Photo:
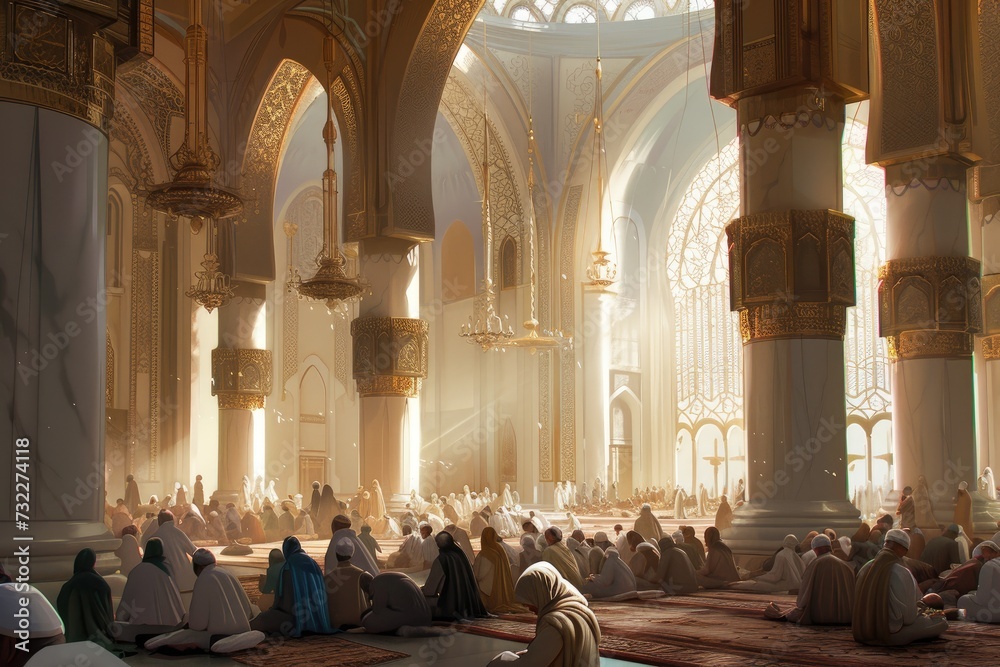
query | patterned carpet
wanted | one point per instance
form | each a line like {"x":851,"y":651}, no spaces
{"x":317,"y":651}
{"x":715,"y":628}
{"x":710,"y":628}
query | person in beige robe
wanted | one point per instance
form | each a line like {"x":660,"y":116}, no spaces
{"x":724,"y":515}
{"x":345,"y":588}
{"x":492,"y":571}
{"x":647,"y":525}
{"x":719,"y":569}
{"x":567,"y":633}
{"x":886,"y":610}
{"x":674,"y":572}
{"x":826,"y":595}
{"x":558,"y":556}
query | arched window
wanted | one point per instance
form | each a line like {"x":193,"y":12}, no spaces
{"x":581,"y":14}
{"x":523,"y":13}
{"x":113,"y":249}
{"x":508,"y":264}
{"x":458,"y":264}
{"x":306,"y":212}
{"x":640,"y":10}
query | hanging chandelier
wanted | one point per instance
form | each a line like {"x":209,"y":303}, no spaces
{"x":193,"y":192}
{"x":331,"y":284}
{"x":293,"y":280}
{"x":532,"y":341}
{"x":602,"y":271}
{"x":486,"y":328}
{"x":213,"y":288}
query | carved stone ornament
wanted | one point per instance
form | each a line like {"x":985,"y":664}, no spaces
{"x":63,"y":55}
{"x":792,"y":273}
{"x":241,"y":378}
{"x":390,"y":355}
{"x":930,"y":307}
{"x":991,"y":317}
{"x":763,"y":47}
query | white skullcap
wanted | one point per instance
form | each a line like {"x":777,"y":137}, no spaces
{"x":646,"y":506}
{"x":423,"y":524}
{"x":345,"y":547}
{"x":203,"y":557}
{"x":988,"y":544}
{"x":899,"y":537}
{"x":845,"y":544}
{"x":820,"y":541}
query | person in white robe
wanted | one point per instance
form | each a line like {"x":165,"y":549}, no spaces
{"x":983,"y":604}
{"x":573,"y":524}
{"x":408,"y":555}
{"x":177,"y":547}
{"x":567,"y":633}
{"x":784,"y":575}
{"x":964,"y":546}
{"x":128,"y":553}
{"x":900,"y":621}
{"x":362,"y":558}
{"x":615,"y":578}
{"x":220,"y":613}
{"x":75,"y":653}
{"x":436,"y":522}
{"x":44,"y":627}
{"x":271,"y":494}
{"x":506,"y":497}
{"x":151,"y":602}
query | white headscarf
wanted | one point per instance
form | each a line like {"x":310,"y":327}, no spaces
{"x":43,"y":620}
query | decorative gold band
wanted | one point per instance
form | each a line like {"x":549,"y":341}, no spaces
{"x":240,"y":401}
{"x":991,"y":348}
{"x":991,"y":304}
{"x":930,"y":307}
{"x":389,"y":385}
{"x":793,"y":320}
{"x":241,"y":378}
{"x":390,"y":355}
{"x":792,"y":273}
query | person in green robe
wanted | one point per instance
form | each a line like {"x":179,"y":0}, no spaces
{"x":84,"y":603}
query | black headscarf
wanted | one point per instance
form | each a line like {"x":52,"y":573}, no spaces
{"x":84,"y":603}
{"x":459,"y":598}
{"x":154,"y":554}
{"x":4,"y":577}
{"x":275,"y":563}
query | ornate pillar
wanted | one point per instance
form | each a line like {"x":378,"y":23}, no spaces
{"x":57,"y":74}
{"x":789,"y":73}
{"x":390,"y":360}
{"x":929,"y":292}
{"x":241,"y":379}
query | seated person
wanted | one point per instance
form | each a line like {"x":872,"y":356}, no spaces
{"x":300,"y":604}
{"x":692,"y":546}
{"x":826,"y":594}
{"x":397,"y":602}
{"x":557,"y":555}
{"x":345,"y":586}
{"x":645,"y":566}
{"x":785,"y":574}
{"x":719,"y":569}
{"x":983,"y":604}
{"x":566,"y":633}
{"x":615,"y":578}
{"x":675,"y":573}
{"x":493,"y":576}
{"x":220,"y":612}
{"x":44,"y":627}
{"x":408,"y":554}
{"x":451,"y":588}
{"x":886,"y":600}
{"x":151,"y":602}
{"x":84,"y":603}
{"x":269,"y":581}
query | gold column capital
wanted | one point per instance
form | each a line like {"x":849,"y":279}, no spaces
{"x":821,"y":46}
{"x":930,"y":307}
{"x":63,"y":55}
{"x":241,"y":378}
{"x":390,"y":355}
{"x":792,"y":273}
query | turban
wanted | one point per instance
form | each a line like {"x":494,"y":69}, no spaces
{"x":820,"y":541}
{"x":899,"y":537}
{"x":203,"y":557}
{"x":345,"y":547}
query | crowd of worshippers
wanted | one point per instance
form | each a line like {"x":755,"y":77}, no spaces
{"x":890,"y":585}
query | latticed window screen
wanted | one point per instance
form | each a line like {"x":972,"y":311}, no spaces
{"x":708,"y":349}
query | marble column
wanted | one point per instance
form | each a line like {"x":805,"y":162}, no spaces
{"x":241,"y":378}
{"x":791,"y":257}
{"x":930,"y":303}
{"x":390,"y":360}
{"x":53,"y":191}
{"x":985,"y":213}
